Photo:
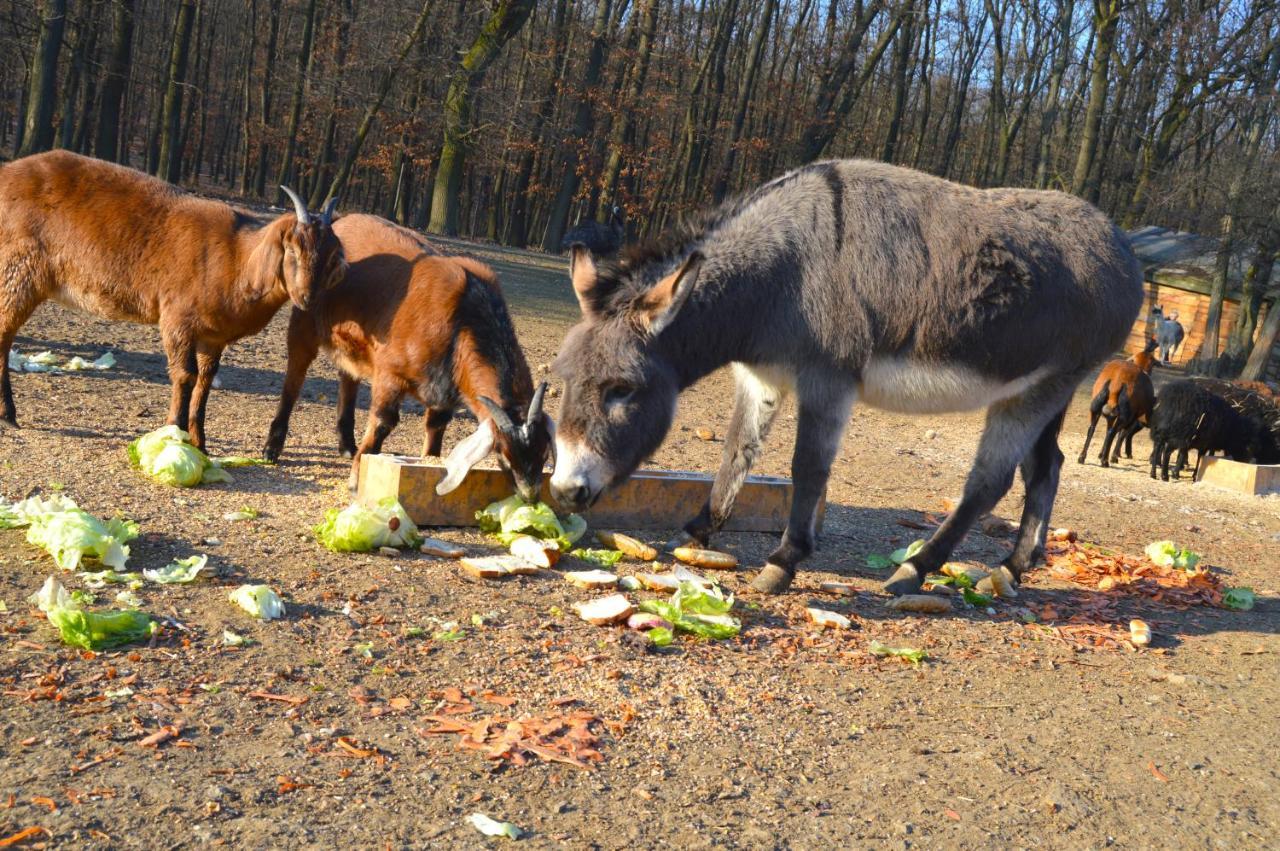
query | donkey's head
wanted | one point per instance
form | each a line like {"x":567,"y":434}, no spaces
{"x":312,"y":255}
{"x":620,"y":383}
{"x":522,"y":448}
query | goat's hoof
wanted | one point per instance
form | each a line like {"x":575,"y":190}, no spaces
{"x":905,"y":580}
{"x":772,"y":579}
{"x":348,"y":454}
{"x":270,"y":454}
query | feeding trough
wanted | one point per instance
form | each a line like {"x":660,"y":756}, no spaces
{"x":1252,"y":479}
{"x":650,"y":499}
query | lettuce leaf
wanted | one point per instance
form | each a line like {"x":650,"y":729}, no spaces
{"x":604,"y":558}
{"x":99,"y":630}
{"x":21,"y":513}
{"x":660,"y":636}
{"x":701,"y":610}
{"x":912,"y":655}
{"x":509,"y":518}
{"x":1169,"y":554}
{"x":52,"y":596}
{"x":180,"y":570}
{"x":72,"y":535}
{"x":259,"y":601}
{"x":359,"y":529}
{"x":1240,"y":598}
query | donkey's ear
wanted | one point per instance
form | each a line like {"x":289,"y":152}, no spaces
{"x":659,"y":306}
{"x":583,"y":273}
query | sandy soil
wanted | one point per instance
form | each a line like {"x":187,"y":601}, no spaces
{"x":1006,"y":736}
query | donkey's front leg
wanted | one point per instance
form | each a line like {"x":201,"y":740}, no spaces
{"x":819,"y":427}
{"x":755,"y":406}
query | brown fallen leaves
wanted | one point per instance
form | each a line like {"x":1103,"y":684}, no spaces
{"x":23,"y":835}
{"x":568,"y":738}
{"x":1124,"y":574}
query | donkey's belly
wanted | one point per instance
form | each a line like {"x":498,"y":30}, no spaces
{"x":894,"y":384}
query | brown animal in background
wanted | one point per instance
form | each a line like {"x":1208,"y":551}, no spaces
{"x":117,"y":243}
{"x":1124,"y":395}
{"x":415,"y":323}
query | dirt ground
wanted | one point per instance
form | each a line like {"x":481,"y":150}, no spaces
{"x":1009,"y":735}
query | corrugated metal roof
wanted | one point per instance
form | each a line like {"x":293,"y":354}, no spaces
{"x":1187,"y":260}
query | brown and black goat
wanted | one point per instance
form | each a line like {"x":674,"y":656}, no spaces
{"x":415,"y":323}
{"x":1124,"y":395}
{"x":116,"y":243}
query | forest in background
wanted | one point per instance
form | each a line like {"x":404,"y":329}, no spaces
{"x":512,"y":120}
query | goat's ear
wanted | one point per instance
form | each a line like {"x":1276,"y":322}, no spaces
{"x":660,"y":305}
{"x":583,"y":273}
{"x":466,"y":455}
{"x":265,"y":269}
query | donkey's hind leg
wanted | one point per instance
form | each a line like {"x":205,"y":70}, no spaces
{"x":1013,"y":427}
{"x":755,"y":406}
{"x":1040,"y":471}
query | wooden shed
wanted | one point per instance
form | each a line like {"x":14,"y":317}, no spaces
{"x":1178,"y":269}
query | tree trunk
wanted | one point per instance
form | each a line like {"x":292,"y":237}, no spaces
{"x":246,"y":115}
{"x":837,"y":93}
{"x":721,"y":186}
{"x":503,"y":24}
{"x":38,"y":123}
{"x":170,"y":141}
{"x":518,"y":226}
{"x":583,"y":121}
{"x":107,"y":142}
{"x":366,"y":123}
{"x":1106,"y":16}
{"x":299,"y":90}
{"x":1049,"y":117}
{"x":623,"y":131}
{"x":264,"y":98}
{"x":328,"y":137}
{"x":1255,"y":368}
{"x":901,"y":62}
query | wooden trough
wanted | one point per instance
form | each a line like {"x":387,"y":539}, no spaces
{"x":650,"y":499}
{"x":1252,"y":479}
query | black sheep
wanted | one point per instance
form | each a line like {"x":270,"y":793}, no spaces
{"x":1188,"y":416}
{"x":600,"y":239}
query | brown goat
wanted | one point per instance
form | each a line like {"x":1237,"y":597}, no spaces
{"x":1124,"y":395}
{"x":111,"y":241}
{"x":415,"y":323}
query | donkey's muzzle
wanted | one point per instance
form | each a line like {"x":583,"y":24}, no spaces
{"x":574,"y":496}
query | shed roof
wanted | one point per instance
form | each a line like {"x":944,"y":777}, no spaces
{"x":1186,"y":260}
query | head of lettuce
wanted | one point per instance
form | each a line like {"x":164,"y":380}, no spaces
{"x":508,"y":519}
{"x":167,"y":456}
{"x":359,"y":528}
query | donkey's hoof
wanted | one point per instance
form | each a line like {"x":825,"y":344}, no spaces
{"x":905,"y":580}
{"x":772,"y":580}
{"x":1011,"y":575}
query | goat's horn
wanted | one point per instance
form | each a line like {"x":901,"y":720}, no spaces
{"x":535,"y":406}
{"x":326,"y":215}
{"x":304,"y":218}
{"x":500,"y":417}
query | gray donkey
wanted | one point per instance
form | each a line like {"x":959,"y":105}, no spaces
{"x":839,"y":281}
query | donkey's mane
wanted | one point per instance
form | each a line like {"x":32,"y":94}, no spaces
{"x":617,"y":282}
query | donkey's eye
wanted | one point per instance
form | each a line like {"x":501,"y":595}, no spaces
{"x":618,"y":394}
